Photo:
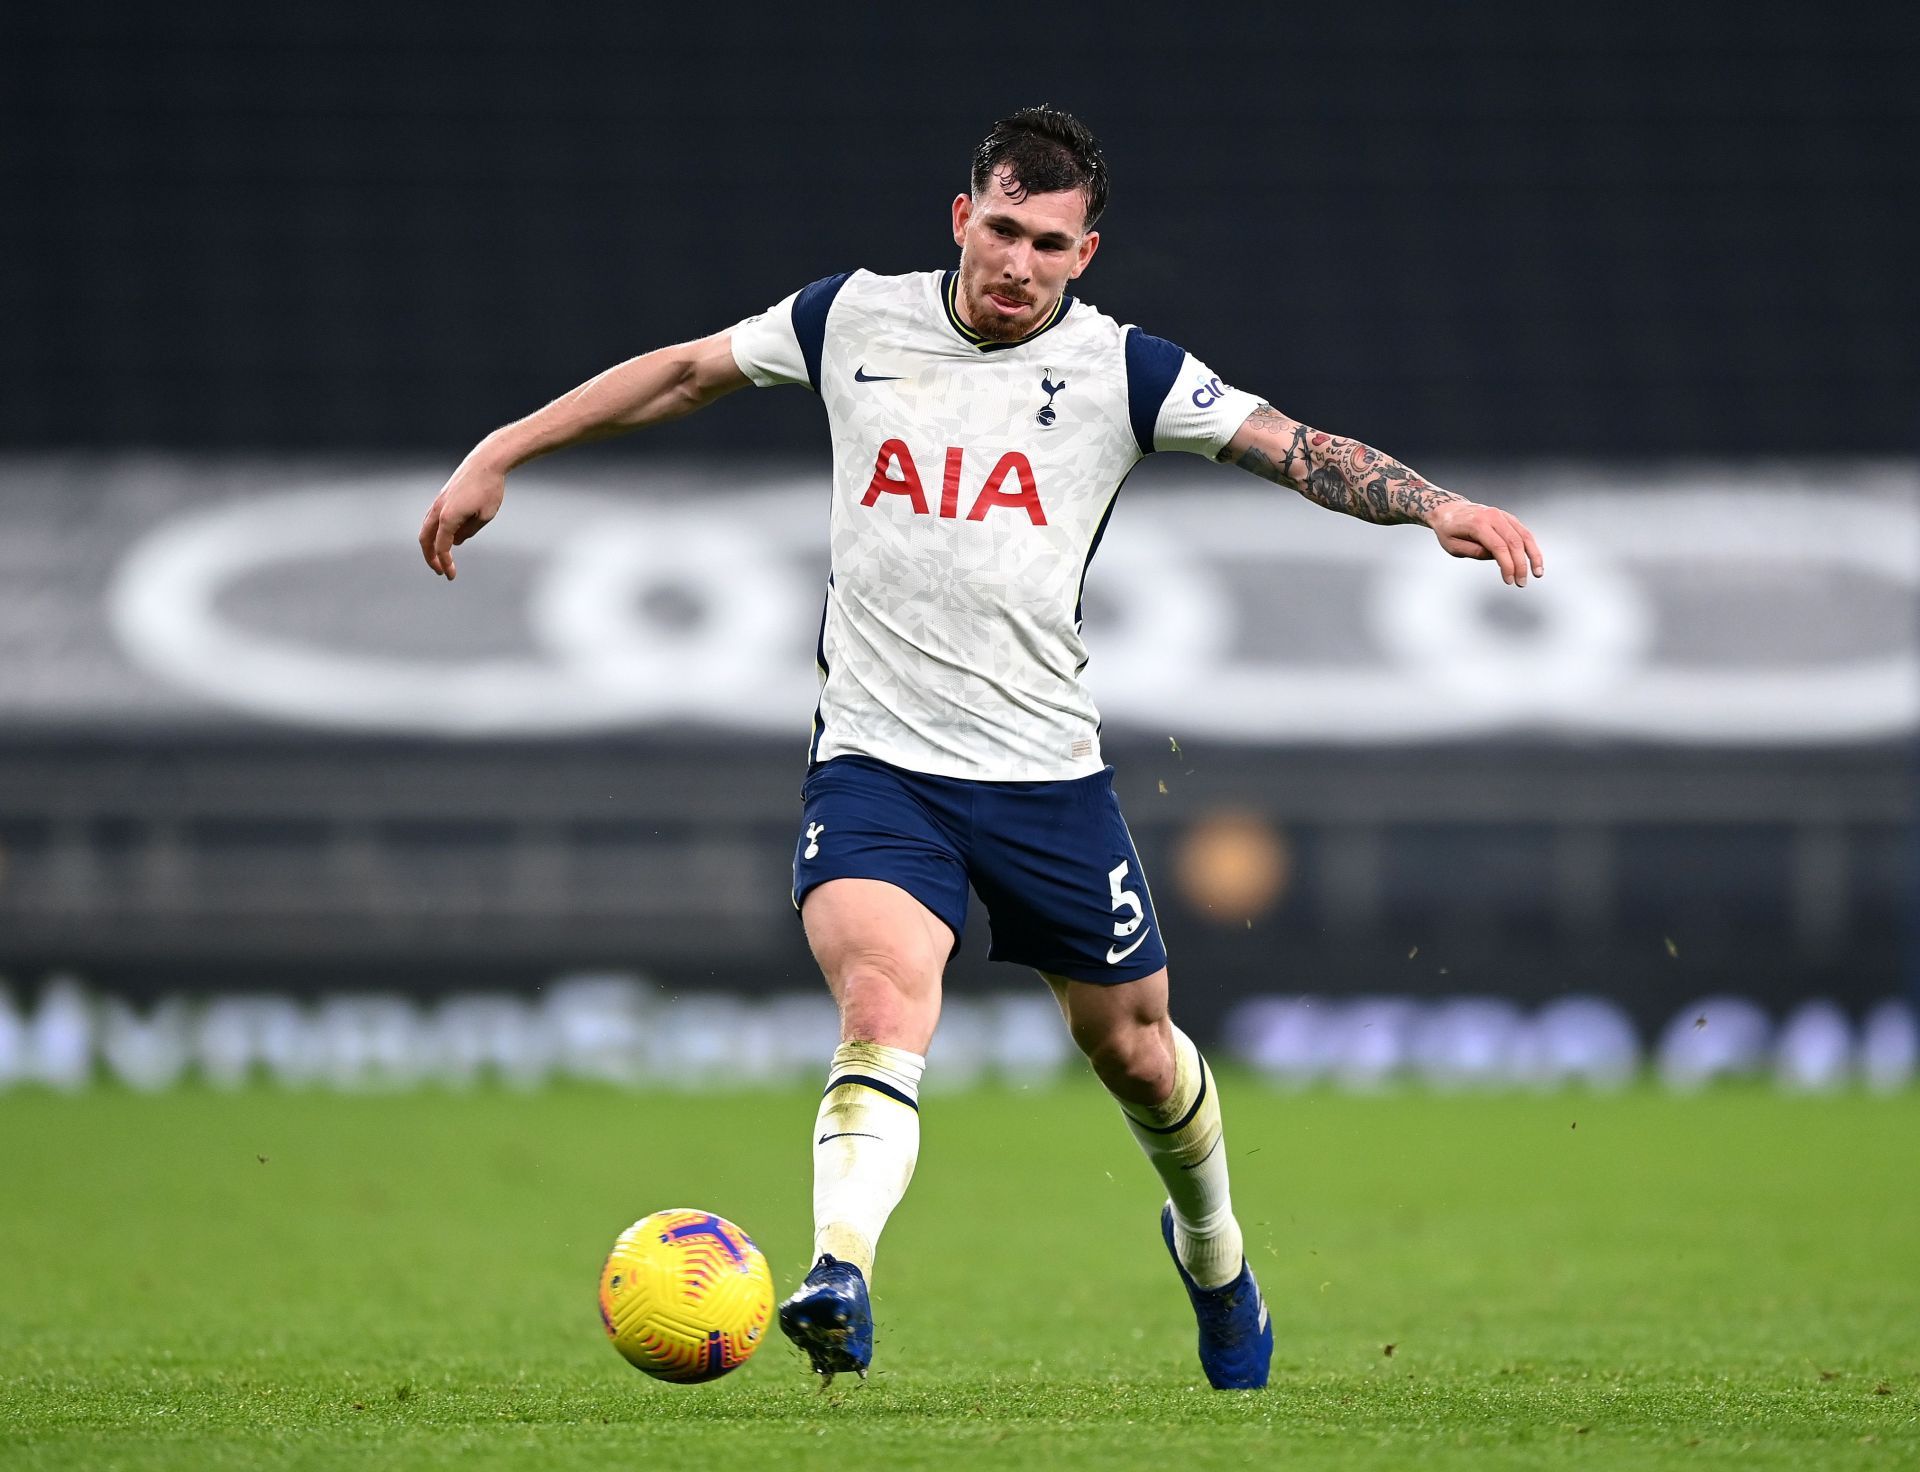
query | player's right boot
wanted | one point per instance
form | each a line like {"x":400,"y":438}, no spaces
{"x":829,"y":1317}
{"x":1236,"y":1334}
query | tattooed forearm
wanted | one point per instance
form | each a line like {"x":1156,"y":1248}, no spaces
{"x":1341,"y":474}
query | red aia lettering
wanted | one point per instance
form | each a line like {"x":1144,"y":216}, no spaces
{"x":906,"y":483}
{"x":1011,"y":463}
{"x":950,"y":489}
{"x":895,"y":474}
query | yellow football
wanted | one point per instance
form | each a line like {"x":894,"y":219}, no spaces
{"x":685,"y":1295}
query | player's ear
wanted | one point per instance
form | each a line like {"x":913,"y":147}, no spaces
{"x":1089,"y":243}
{"x":962,"y":212}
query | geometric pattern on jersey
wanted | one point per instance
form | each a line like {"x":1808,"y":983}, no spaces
{"x":1052,"y":862}
{"x":972,"y":481}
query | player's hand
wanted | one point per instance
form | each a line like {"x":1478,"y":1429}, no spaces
{"x":469,"y":500}
{"x":1468,"y":529}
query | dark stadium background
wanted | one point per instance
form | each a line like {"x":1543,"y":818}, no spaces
{"x":241,"y":246}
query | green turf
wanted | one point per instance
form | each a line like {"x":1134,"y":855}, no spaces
{"x":195,"y":1280}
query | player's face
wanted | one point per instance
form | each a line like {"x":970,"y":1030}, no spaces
{"x":1017,"y":253}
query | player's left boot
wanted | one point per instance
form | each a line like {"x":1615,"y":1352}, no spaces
{"x":1236,"y":1335}
{"x":829,"y":1317}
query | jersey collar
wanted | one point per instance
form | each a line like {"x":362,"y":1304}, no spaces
{"x":949,"y":294}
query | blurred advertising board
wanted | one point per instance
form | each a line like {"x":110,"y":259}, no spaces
{"x":248,"y":744}
{"x":1762,"y":605}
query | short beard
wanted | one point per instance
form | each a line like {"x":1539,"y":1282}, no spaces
{"x":987,"y":322}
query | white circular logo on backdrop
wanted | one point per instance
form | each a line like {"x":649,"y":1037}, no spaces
{"x":1453,"y":650}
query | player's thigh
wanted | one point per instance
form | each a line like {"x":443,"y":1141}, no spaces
{"x":864,"y":923}
{"x":880,"y":881}
{"x":862,"y":819}
{"x":883,"y":954}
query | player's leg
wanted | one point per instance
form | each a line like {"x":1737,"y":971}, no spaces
{"x":1171,"y":1104}
{"x":881,"y":887}
{"x":1063,"y":886}
{"x":1066,"y":894}
{"x":882,"y":953}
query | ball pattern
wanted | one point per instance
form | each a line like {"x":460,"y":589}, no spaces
{"x":685,"y":1295}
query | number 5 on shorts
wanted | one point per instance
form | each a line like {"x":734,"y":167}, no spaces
{"x":1124,"y":899}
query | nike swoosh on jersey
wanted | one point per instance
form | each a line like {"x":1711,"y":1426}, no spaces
{"x":860,"y":375}
{"x":1115,"y":955}
{"x":846,"y":1134}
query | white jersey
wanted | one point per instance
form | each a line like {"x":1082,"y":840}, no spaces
{"x":971,"y":483}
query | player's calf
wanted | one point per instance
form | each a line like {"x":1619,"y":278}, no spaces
{"x":1184,"y":1139}
{"x":866,"y":1138}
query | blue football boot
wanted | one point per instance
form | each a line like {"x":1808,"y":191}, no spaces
{"x":1236,"y":1336}
{"x":828,"y":1316}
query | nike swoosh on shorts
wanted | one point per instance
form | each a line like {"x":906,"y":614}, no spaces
{"x":1115,"y":955}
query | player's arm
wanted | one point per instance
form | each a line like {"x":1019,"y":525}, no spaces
{"x":651,"y":389}
{"x":1345,"y":475}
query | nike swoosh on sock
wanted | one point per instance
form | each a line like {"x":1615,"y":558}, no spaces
{"x":848,"y":1134}
{"x":1205,"y":1158}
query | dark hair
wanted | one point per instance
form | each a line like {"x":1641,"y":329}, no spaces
{"x":1043,"y":150}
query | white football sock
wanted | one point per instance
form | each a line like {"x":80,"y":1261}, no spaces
{"x":865,"y":1141}
{"x":1183,"y":1138}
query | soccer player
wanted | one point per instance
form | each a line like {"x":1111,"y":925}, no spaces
{"x":983,"y":419}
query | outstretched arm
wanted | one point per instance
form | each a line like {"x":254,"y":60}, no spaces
{"x":651,"y":389}
{"x":1345,"y":475}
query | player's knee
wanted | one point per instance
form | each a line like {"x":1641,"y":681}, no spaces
{"x":876,"y":975}
{"x":882,"y":1001}
{"x":1134,"y":1063}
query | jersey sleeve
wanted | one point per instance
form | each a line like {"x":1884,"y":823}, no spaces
{"x":783,"y":344}
{"x":1176,"y":402}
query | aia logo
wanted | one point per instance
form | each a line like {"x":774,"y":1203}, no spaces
{"x":895,"y":474}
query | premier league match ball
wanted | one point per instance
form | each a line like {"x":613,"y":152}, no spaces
{"x":685,"y":1296}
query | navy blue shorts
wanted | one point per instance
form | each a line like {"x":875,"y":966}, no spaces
{"x":1052,"y":861}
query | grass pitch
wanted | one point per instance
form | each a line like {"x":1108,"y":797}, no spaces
{"x":210,"y":1281}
